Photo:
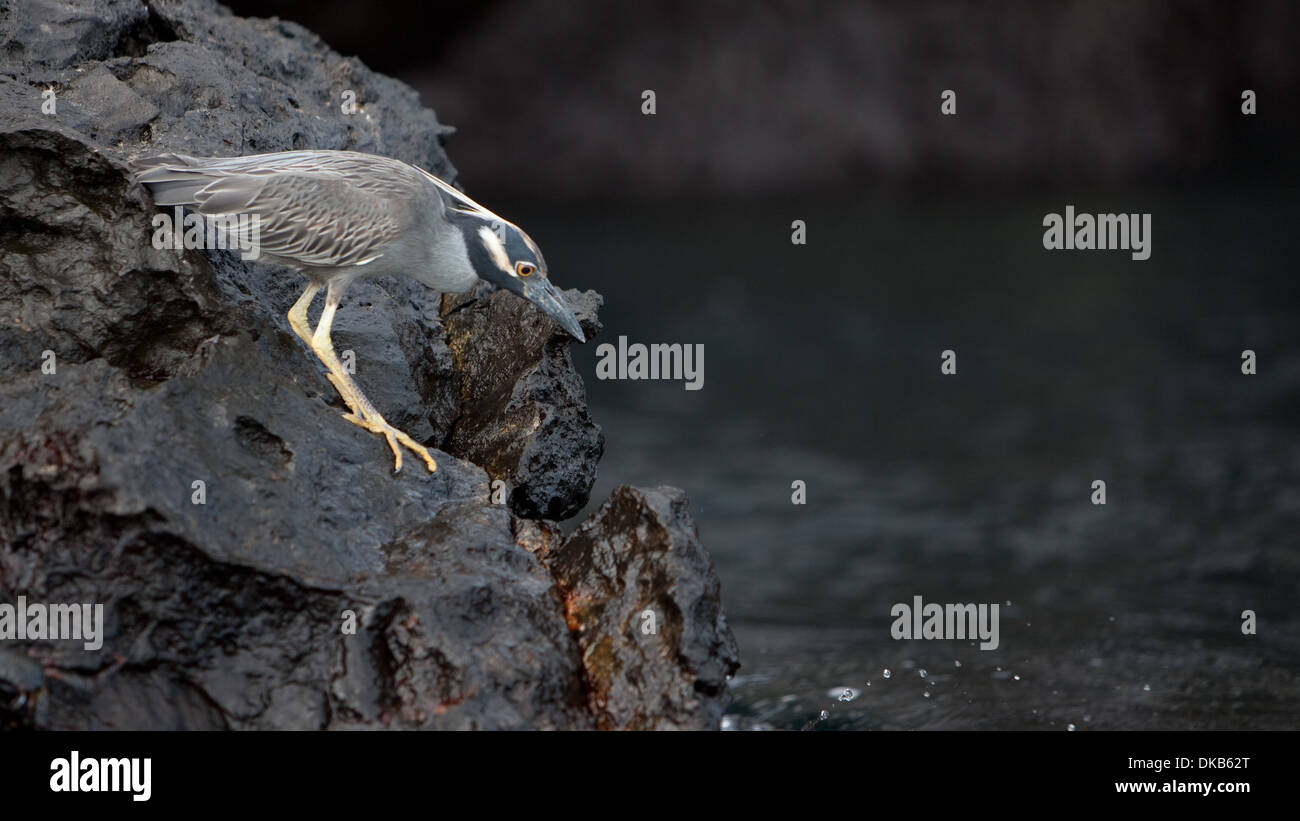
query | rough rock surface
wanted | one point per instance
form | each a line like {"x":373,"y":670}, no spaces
{"x":175,"y":378}
{"x":523,"y":406}
{"x":641,"y":594}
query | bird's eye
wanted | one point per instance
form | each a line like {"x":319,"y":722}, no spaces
{"x":524,"y":269}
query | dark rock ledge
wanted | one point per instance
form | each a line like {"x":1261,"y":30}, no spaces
{"x":177,"y":368}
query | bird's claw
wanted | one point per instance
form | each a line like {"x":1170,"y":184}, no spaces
{"x":394,"y":436}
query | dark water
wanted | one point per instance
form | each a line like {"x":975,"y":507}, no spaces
{"x":822,"y":365}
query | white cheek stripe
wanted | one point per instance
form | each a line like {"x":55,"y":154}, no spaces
{"x":496,"y":249}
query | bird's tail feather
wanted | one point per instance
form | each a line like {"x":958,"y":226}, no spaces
{"x":173,"y":179}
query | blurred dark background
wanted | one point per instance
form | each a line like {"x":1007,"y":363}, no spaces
{"x":777,"y":96}
{"x":925,"y":234}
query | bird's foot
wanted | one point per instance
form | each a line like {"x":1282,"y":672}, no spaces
{"x":377,"y":424}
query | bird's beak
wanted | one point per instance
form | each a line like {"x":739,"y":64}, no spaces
{"x":541,"y":293}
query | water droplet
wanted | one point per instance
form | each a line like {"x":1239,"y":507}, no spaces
{"x":926,"y":694}
{"x":887,"y":673}
{"x":958,"y":663}
{"x":923,"y":673}
{"x":1008,"y":602}
{"x":847,"y":694}
{"x":1146,"y":688}
{"x":1017,"y":678}
{"x":825,"y":715}
{"x":1070,"y":728}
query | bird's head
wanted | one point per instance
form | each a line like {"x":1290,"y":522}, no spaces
{"x":502,"y":254}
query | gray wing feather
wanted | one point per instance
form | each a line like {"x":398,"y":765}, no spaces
{"x":313,"y":219}
{"x":322,"y":208}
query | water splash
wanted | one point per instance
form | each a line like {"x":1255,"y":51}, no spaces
{"x":842,"y":695}
{"x":822,"y":716}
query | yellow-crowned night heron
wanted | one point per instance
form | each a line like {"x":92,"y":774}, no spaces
{"x":338,"y":215}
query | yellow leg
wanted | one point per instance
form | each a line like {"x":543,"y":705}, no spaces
{"x":363,"y":413}
{"x":298,"y":313}
{"x":301,"y":327}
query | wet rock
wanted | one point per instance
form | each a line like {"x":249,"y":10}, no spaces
{"x":643,"y":597}
{"x":168,"y":448}
{"x":523,"y":407}
{"x":21,"y":680}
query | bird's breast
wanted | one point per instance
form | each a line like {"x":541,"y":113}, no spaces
{"x":438,"y":261}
